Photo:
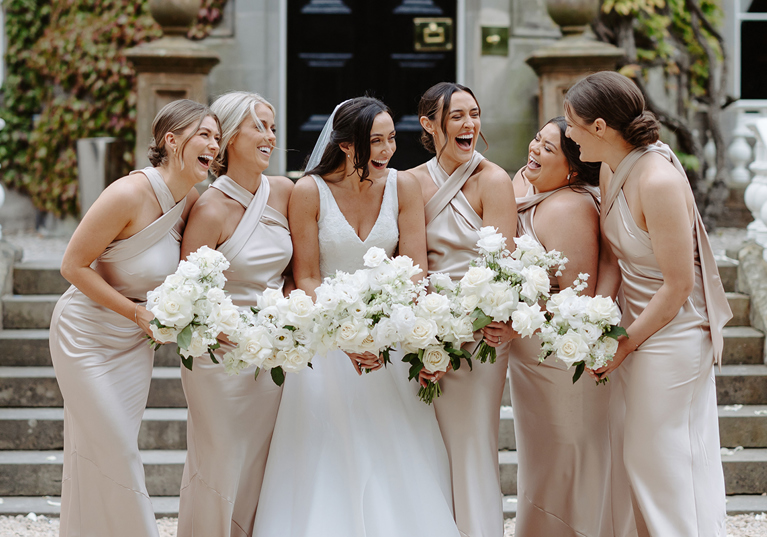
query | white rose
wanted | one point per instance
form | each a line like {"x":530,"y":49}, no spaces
{"x":225,"y":318}
{"x":571,"y":348}
{"x":300,"y":311}
{"x":603,"y":309}
{"x":173,"y":310}
{"x":351,"y":334}
{"x":609,"y":346}
{"x":476,"y":279}
{"x":199,"y":343}
{"x":502,"y":300}
{"x":434,"y":305}
{"x":463,"y":331}
{"x":215,"y":295}
{"x":486,"y":231}
{"x":385,"y":333}
{"x":527,"y":243}
{"x":283,"y":338}
{"x":274,"y":359}
{"x":270,"y":297}
{"x":552,"y":306}
{"x":492,"y":244}
{"x":403,"y":318}
{"x":381,"y":277}
{"x":527,"y":319}
{"x":511,"y":265}
{"x":256,"y":345}
{"x":327,"y":298}
{"x":296,"y":359}
{"x":189,"y":270}
{"x":590,"y":332}
{"x":423,"y":333}
{"x":435,"y":359}
{"x":469,"y":303}
{"x":166,"y":334}
{"x":374,"y":257}
{"x":404,"y":267}
{"x":536,"y":283}
{"x":573,"y":310}
{"x":269,"y":315}
{"x":441,"y":281}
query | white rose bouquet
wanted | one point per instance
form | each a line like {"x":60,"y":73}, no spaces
{"x":276,"y":336}
{"x":432,"y":332}
{"x":581,"y":330}
{"x":355,"y":309}
{"x":191,"y":308}
{"x":500,"y":285}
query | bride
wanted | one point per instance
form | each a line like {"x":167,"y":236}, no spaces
{"x":354,"y":455}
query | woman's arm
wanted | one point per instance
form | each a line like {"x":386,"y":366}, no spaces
{"x":303,"y":213}
{"x":205,"y":224}
{"x":663,"y":196}
{"x":412,"y":223}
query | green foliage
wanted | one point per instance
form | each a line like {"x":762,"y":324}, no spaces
{"x":68,"y":78}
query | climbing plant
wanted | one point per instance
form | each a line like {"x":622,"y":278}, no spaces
{"x":681,"y":39}
{"x":67,"y":79}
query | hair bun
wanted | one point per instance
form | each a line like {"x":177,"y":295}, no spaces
{"x":642,"y":130}
{"x":157,"y":155}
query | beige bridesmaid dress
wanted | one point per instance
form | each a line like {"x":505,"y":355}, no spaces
{"x":468,"y":409}
{"x":663,"y":420}
{"x":104,"y":366}
{"x":561,"y":429}
{"x":231,"y":418}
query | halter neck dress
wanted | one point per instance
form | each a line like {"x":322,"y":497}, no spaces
{"x":468,"y":410}
{"x":354,"y":456}
{"x":104,"y":367}
{"x":560,"y":428}
{"x":663,"y":407}
{"x":231,"y":418}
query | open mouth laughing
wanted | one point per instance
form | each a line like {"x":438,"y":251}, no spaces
{"x":464,"y":141}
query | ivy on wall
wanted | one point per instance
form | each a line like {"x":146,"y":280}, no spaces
{"x":68,"y":78}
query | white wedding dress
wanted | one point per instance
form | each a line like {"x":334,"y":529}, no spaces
{"x":355,"y":456}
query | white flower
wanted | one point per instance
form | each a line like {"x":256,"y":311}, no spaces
{"x":469,"y":303}
{"x":527,"y":243}
{"x":385,"y":333}
{"x":500,"y":301}
{"x":527,"y":319}
{"x":224,"y":318}
{"x":300,"y":309}
{"x":296,"y":359}
{"x":405,"y":267}
{"x":486,"y":231}
{"x":463,"y":331}
{"x":435,"y":358}
{"x":374,"y":257}
{"x":189,"y":270}
{"x":351,"y":334}
{"x":441,"y":281}
{"x":422,"y":334}
{"x":256,"y":345}
{"x":270,"y":297}
{"x":603,"y":309}
{"x":283,"y":338}
{"x":571,"y":348}
{"x":590,"y":332}
{"x":476,"y":279}
{"x":511,"y":265}
{"x":199,"y":343}
{"x":173,"y":310}
{"x":166,"y":334}
{"x":491,"y":244}
{"x":403,"y":318}
{"x":536,"y":283}
{"x":434,"y":305}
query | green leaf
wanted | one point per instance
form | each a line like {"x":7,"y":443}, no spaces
{"x":212,"y":356}
{"x":278,"y":375}
{"x":184,"y":338}
{"x":188,"y":362}
{"x":616,"y":331}
{"x":580,"y":367}
{"x":258,"y":370}
{"x":415,"y":369}
{"x":480,"y":319}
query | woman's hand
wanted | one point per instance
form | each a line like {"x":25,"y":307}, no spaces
{"x":143,"y":317}
{"x":424,"y":377}
{"x":497,"y":333}
{"x":367,"y":360}
{"x":625,"y":347}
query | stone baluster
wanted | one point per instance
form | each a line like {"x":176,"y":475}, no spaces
{"x":756,"y":193}
{"x":740,"y":150}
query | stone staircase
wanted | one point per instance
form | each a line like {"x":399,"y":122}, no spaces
{"x":31,"y":413}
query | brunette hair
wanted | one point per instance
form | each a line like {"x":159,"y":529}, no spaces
{"x":616,"y":99}
{"x":351,"y":124}
{"x":175,"y":117}
{"x":437,"y":98}
{"x":232,"y":109}
{"x":585,"y":173}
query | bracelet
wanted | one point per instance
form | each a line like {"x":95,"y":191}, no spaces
{"x":135,"y":314}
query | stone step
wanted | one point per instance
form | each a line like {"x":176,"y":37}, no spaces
{"x":37,"y":387}
{"x":739,"y":425}
{"x":740,"y":305}
{"x":742,"y":345}
{"x":38,"y":473}
{"x":29,"y":347}
{"x":28,"y":311}
{"x":745,"y":471}
{"x":164,"y":506}
{"x":42,"y":429}
{"x":728,"y":272}
{"x":38,"y":278}
{"x":741,"y":384}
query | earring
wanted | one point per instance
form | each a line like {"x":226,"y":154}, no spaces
{"x":568,"y":176}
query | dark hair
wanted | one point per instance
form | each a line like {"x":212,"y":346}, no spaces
{"x":438,"y":98}
{"x":175,"y":117}
{"x":351,"y":124}
{"x":616,"y":99}
{"x":585,"y":173}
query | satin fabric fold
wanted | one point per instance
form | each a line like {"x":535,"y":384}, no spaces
{"x":663,"y":417}
{"x":468,"y":411}
{"x":561,"y":431}
{"x":231,"y":418}
{"x":104,"y":367}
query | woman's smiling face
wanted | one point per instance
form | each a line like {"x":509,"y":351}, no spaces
{"x":547,"y":167}
{"x":455,"y":145}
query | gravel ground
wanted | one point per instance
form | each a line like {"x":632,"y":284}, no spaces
{"x":41,"y":526}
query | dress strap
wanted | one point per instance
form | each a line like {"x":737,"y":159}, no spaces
{"x":449,"y":192}
{"x":619,"y":178}
{"x":254,"y":210}
{"x":234,"y":190}
{"x":161,"y":190}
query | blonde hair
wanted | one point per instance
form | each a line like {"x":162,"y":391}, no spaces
{"x":232,"y":109}
{"x":175,"y":117}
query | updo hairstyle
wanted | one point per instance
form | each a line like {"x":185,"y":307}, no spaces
{"x":352,"y":124}
{"x":616,"y":99}
{"x":175,"y":117}
{"x":584,"y":173}
{"x":437,"y":98}
{"x":232,"y":109}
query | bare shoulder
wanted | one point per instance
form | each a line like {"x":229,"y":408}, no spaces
{"x":306,"y":192}
{"x":210,"y":208}
{"x":570,"y":202}
{"x":489,"y":172}
{"x":129,"y":192}
{"x":281,"y":183}
{"x":406,"y":181}
{"x":655,"y":172}
{"x":419,"y":173}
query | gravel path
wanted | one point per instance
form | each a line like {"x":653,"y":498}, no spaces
{"x":41,"y":526}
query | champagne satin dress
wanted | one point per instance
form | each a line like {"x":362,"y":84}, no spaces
{"x":468,"y":409}
{"x":664,"y":421}
{"x":562,"y":435}
{"x":231,"y":418}
{"x":104,"y":366}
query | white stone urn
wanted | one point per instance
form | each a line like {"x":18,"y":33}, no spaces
{"x":175,"y":16}
{"x":573,"y":16}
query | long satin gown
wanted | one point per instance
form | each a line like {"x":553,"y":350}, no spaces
{"x":354,"y":456}
{"x":231,"y":418}
{"x":663,"y":421}
{"x":468,"y":410}
{"x":104,"y":367}
{"x":562,"y":434}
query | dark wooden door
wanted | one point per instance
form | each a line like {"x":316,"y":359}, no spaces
{"x":338,"y":49}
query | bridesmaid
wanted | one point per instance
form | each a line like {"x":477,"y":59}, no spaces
{"x":125,"y":246}
{"x":663,"y":405}
{"x":462,"y":192}
{"x":560,"y":428}
{"x":231,"y":418}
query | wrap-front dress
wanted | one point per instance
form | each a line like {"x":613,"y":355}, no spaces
{"x":468,"y":411}
{"x":104,"y":367}
{"x":561,"y":431}
{"x":231,"y":418}
{"x":664,"y":425}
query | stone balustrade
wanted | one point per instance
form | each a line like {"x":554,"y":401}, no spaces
{"x":756,"y":193}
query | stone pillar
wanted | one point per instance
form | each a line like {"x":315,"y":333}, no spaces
{"x":571,"y":58}
{"x":169,"y":69}
{"x":756,"y":192}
